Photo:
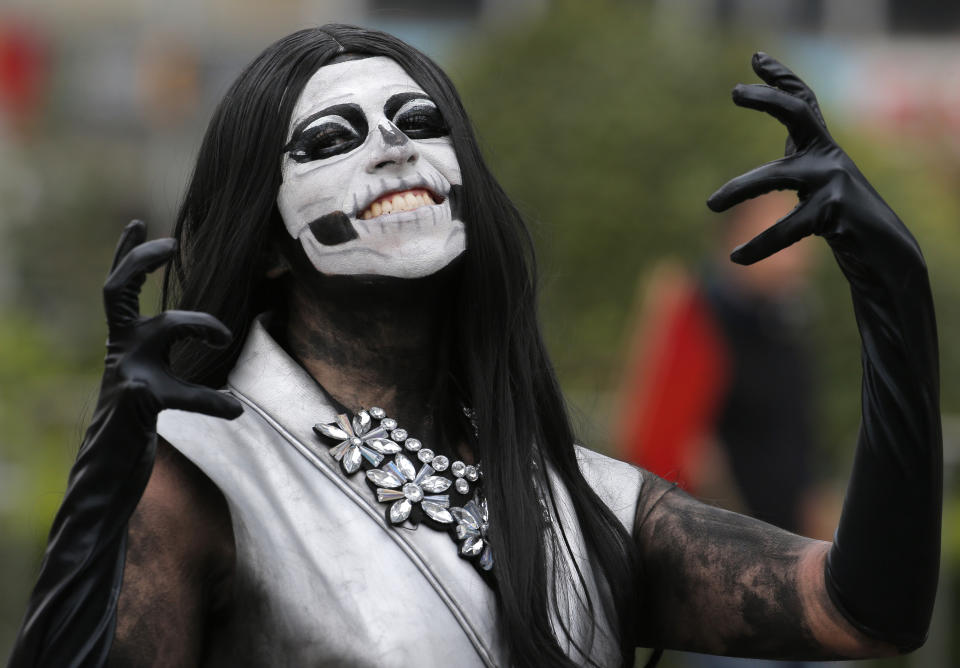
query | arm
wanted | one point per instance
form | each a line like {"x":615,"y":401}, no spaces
{"x":71,"y":614}
{"x":179,"y":567}
{"x":723,"y":583}
{"x":872,"y":590}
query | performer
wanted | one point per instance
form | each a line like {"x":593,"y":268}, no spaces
{"x":388,"y":475}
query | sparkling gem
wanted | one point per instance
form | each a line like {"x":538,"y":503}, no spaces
{"x":361,"y":423}
{"x":440,"y":499}
{"x":400,"y":511}
{"x":388,"y":423}
{"x":377,"y":412}
{"x":399,"y":435}
{"x":425,"y":455}
{"x":371,"y":456}
{"x":466,"y":518}
{"x":412,"y":444}
{"x":440,"y":462}
{"x":351,"y":461}
{"x":405,"y":466}
{"x":345,"y":424}
{"x":383,"y":478}
{"x":436,"y":483}
{"x":471,"y":473}
{"x":376,"y":432}
{"x":384,"y":446}
{"x":395,"y":470}
{"x":462,"y":486}
{"x":475,"y":511}
{"x":331,"y":431}
{"x":437,"y":512}
{"x":425,"y":473}
{"x":486,"y":559}
{"x":355,"y":441}
{"x":458,"y":468}
{"x":461,"y":532}
{"x":413,"y":492}
{"x":384,"y":495}
{"x":339,"y":449}
{"x":471,"y":546}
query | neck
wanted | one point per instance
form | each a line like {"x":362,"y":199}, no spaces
{"x":373,"y":341}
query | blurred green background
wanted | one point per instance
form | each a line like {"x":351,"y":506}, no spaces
{"x":609,"y":123}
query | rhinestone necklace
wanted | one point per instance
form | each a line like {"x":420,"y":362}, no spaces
{"x":385,"y":451}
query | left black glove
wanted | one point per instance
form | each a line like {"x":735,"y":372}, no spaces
{"x":882,"y":568}
{"x":71,"y":615}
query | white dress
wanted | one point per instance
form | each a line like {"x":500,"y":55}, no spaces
{"x":321,"y":578}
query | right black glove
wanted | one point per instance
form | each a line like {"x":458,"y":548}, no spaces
{"x":882,"y":569}
{"x":71,"y":614}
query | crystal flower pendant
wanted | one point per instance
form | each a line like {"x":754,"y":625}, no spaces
{"x":423,"y":494}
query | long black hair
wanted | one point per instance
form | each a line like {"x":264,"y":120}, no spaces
{"x":497,"y":359}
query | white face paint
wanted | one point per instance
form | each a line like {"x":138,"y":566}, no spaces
{"x":367,"y":174}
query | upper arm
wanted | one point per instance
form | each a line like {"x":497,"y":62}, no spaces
{"x":718,"y":582}
{"x":178,"y":565}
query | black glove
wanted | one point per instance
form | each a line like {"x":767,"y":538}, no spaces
{"x":882,"y":569}
{"x":71,"y":615}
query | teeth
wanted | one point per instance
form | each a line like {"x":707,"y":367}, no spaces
{"x":408,"y":201}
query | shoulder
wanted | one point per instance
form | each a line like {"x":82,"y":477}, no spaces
{"x":617,"y":483}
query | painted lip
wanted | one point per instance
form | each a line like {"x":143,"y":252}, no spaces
{"x":402,"y":185}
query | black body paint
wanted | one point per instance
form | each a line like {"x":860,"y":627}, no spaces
{"x":333,"y":229}
{"x":719,"y":582}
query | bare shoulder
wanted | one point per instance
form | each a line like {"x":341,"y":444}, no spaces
{"x":179,"y":565}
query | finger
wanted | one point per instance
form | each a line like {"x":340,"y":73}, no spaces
{"x":138,"y":262}
{"x":199,"y":399}
{"x":790,"y":229}
{"x":794,"y":113}
{"x":122,"y":290}
{"x":776,"y":74}
{"x":177,"y":325}
{"x":133,"y":235}
{"x":783,"y":174}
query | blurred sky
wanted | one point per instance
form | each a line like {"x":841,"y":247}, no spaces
{"x":146,"y":73}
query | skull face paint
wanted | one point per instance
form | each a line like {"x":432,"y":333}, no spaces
{"x":368,"y":172}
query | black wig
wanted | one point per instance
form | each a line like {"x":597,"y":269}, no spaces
{"x":498,"y":362}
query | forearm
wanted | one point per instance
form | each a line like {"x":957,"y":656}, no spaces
{"x":71,"y":613}
{"x":718,"y":582}
{"x":881,"y":572}
{"x":882,"y":569}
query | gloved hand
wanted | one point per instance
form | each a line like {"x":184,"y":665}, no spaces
{"x":71,"y":615}
{"x":882,"y":568}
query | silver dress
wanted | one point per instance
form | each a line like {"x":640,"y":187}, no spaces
{"x":321,"y":578}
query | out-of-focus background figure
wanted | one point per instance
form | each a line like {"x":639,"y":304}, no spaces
{"x":608,"y":122}
{"x":722,"y":393}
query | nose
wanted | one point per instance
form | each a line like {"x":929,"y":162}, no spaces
{"x":391,"y":149}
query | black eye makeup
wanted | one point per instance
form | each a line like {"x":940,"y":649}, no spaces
{"x":326,"y":133}
{"x":416,"y":115}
